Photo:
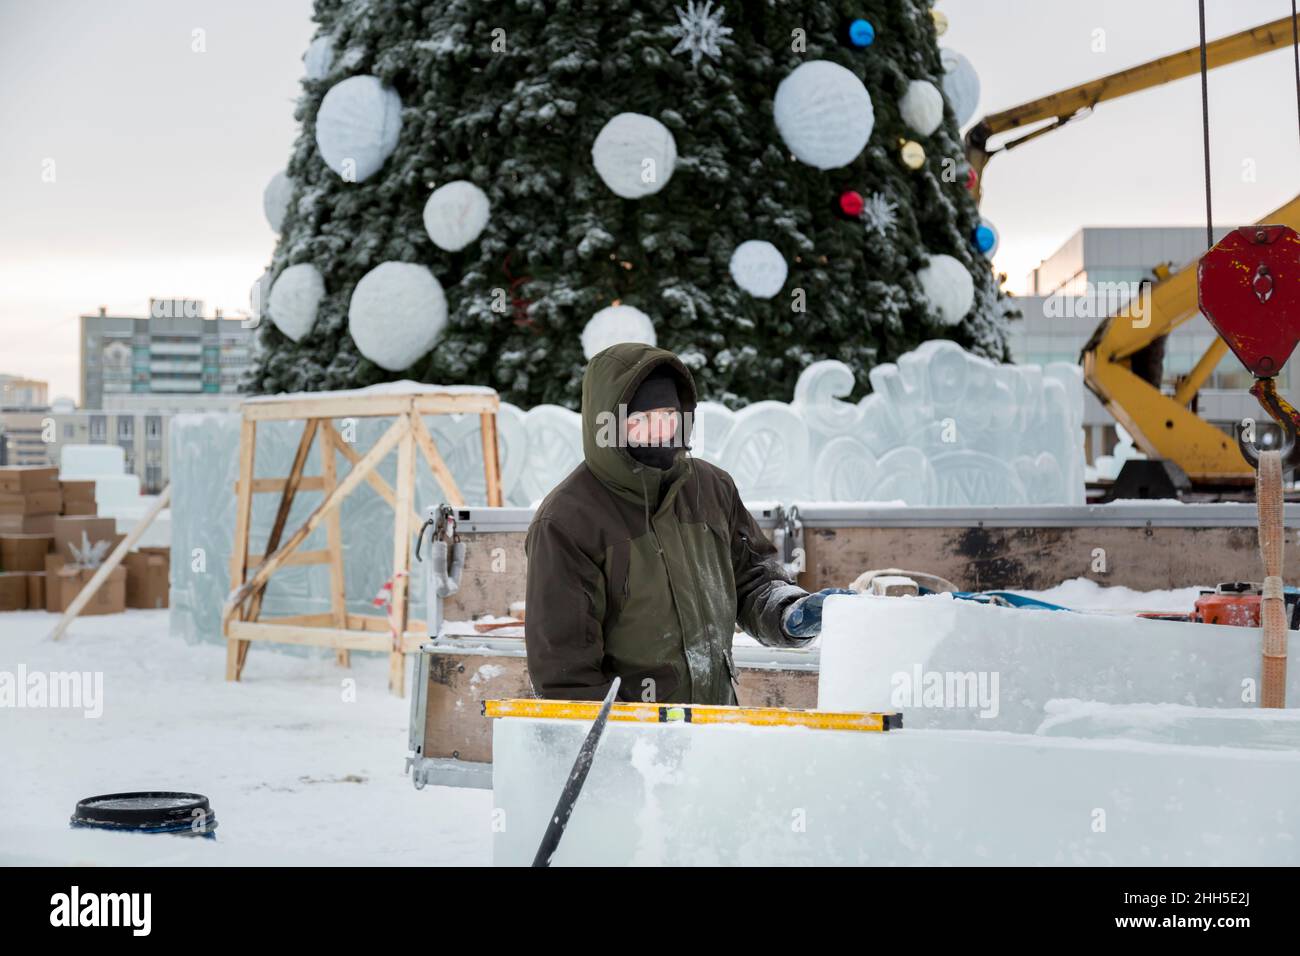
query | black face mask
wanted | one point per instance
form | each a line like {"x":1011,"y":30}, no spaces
{"x":654,"y":456}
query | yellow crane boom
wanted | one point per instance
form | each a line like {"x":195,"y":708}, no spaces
{"x":1066,"y":105}
{"x":1162,"y":426}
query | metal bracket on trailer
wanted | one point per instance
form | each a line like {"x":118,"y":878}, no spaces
{"x":446,"y":772}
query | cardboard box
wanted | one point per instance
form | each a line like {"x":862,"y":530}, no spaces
{"x":31,"y":502}
{"x":147,"y":573}
{"x":67,"y":583}
{"x":13,"y":591}
{"x":36,"y":590}
{"x":20,"y":478}
{"x":78,"y":490}
{"x":24,"y":552}
{"x":67,"y":530}
{"x":27,"y":524}
{"x":80,"y":507}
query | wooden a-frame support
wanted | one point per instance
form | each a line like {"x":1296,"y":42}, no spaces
{"x":249,"y":573}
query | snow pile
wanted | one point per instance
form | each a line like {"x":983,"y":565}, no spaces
{"x":324,"y":784}
{"x":1083,"y":594}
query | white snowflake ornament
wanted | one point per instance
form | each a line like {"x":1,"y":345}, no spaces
{"x":699,"y":31}
{"x":879,"y":215}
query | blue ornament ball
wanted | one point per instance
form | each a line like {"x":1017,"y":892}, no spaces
{"x":985,"y":238}
{"x":861,"y":32}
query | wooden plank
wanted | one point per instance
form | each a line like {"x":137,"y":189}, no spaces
{"x":101,"y":575}
{"x":261,"y":485}
{"x":445,"y":404}
{"x":371,"y":406}
{"x":367,"y":622}
{"x":310,"y":636}
{"x":392,"y":437}
{"x":281,"y":518}
{"x":321,"y":556}
{"x":371,"y":622}
{"x":243,"y":517}
{"x":402,"y":550}
{"x":375,"y":480}
{"x":291,"y":486}
{"x":325,"y":619}
{"x":441,"y":473}
{"x":334,"y":544}
{"x":491,"y":458}
{"x":329,"y":406}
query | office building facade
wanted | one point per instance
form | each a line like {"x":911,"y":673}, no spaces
{"x":174,"y":350}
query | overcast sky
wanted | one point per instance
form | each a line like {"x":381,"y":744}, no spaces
{"x":160,"y":153}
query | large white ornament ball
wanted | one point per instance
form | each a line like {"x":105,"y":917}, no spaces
{"x":948,"y":288}
{"x":275,"y":199}
{"x":824,"y":114}
{"x":922,"y":107}
{"x":455,"y":215}
{"x":634,"y":155}
{"x":397,"y":312}
{"x":319,"y":58}
{"x":258,"y":294}
{"x":758,"y":267}
{"x":357,"y":126}
{"x":295,"y":298}
{"x":961,"y":84}
{"x":615,"y":324}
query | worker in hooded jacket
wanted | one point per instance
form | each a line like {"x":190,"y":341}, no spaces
{"x":643,"y":559}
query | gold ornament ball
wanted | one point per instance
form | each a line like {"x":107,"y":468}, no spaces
{"x":913,"y":154}
{"x":940,"y":22}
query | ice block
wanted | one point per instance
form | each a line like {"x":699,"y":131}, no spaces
{"x":955,"y":664}
{"x":684,"y":794}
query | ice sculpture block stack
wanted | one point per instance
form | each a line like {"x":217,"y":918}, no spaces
{"x":1029,"y":738}
{"x":956,"y":664}
{"x":693,"y":794}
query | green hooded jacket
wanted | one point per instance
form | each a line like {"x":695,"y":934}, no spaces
{"x":643,"y":573}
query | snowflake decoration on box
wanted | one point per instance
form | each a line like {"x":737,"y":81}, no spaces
{"x":88,"y":555}
{"x":879,"y":215}
{"x":699,"y":31}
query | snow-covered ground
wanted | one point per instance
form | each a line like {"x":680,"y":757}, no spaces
{"x":298,"y":770}
{"x":302,"y":760}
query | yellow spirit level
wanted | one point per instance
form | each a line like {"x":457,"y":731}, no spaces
{"x":652,"y":713}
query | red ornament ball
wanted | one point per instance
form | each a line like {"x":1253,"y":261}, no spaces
{"x":851,"y":203}
{"x":972,"y":178}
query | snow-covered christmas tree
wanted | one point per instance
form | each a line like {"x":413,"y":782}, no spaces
{"x":489,"y":192}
